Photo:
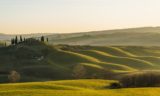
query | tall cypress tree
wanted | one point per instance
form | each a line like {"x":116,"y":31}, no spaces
{"x":16,"y":40}
{"x":42,"y":39}
{"x":47,"y":39}
{"x":12,"y":41}
{"x":21,"y":40}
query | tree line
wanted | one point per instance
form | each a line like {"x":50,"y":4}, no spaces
{"x":21,"y":39}
{"x":15,"y":40}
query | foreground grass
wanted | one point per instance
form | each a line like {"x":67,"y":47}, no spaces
{"x":72,"y":88}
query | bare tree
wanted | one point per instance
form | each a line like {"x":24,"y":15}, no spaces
{"x":14,"y":76}
{"x":79,"y":71}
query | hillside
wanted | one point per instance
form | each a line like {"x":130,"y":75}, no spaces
{"x":37,"y":61}
{"x":146,"y":36}
{"x":72,"y":88}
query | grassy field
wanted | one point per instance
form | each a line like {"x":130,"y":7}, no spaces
{"x":72,"y":88}
{"x":37,"y":61}
{"x":41,"y":62}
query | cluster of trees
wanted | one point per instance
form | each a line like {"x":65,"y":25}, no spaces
{"x":43,"y":39}
{"x":17,"y":40}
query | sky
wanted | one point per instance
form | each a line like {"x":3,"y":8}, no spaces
{"x":66,"y":16}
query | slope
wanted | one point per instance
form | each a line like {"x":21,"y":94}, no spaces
{"x":38,"y":61}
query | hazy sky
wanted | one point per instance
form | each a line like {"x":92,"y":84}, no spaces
{"x":36,"y":16}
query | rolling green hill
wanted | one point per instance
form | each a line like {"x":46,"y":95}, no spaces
{"x":146,"y":36}
{"x":37,"y":61}
{"x":72,"y":88}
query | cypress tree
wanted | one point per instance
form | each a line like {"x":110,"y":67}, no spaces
{"x":12,"y":41}
{"x":42,"y":39}
{"x":16,"y":40}
{"x":47,"y":39}
{"x":21,"y":40}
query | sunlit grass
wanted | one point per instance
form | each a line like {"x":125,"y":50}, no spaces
{"x":73,"y":88}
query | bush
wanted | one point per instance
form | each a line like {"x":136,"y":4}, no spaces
{"x":141,"y":79}
{"x":115,"y":85}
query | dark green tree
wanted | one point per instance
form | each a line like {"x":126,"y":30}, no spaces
{"x":12,"y":41}
{"x":42,"y":39}
{"x":47,"y":39}
{"x":16,"y":40}
{"x":21,"y":39}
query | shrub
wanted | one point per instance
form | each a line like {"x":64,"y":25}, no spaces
{"x":115,"y":85}
{"x":141,"y":79}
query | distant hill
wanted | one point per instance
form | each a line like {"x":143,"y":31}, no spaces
{"x":146,"y":36}
{"x":36,"y":61}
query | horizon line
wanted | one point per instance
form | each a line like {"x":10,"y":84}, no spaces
{"x":112,"y":29}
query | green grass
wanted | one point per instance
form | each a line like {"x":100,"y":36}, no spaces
{"x":2,"y":44}
{"x":72,"y":88}
{"x":61,"y":59}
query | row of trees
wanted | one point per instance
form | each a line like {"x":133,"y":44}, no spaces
{"x":43,"y":39}
{"x":17,"y":40}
